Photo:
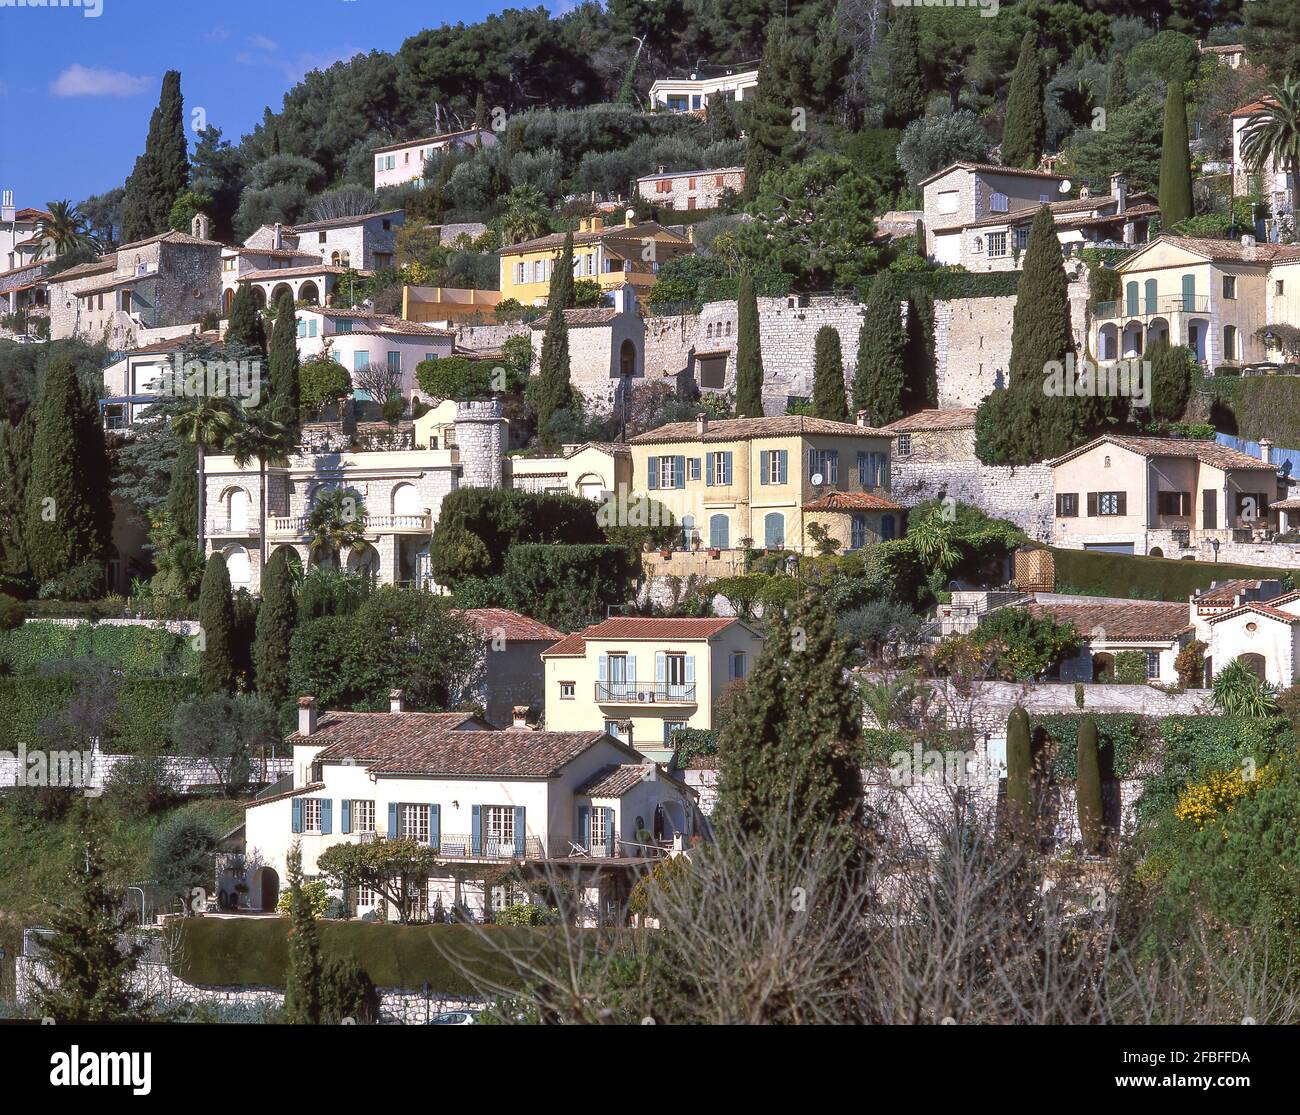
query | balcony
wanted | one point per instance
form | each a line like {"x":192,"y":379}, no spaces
{"x":224,"y":528}
{"x":644,"y":693}
{"x":295,"y":526}
{"x":462,"y":846}
{"x":1168,"y":304}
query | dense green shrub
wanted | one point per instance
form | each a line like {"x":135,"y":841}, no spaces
{"x":136,"y":651}
{"x":568,"y":586}
{"x":1147,"y":578}
{"x":693,"y":743}
{"x":1123,"y":739}
{"x":11,"y":614}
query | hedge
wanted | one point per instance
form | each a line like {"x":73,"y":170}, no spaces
{"x":943,"y":285}
{"x":568,"y":586}
{"x":1122,"y":741}
{"x":137,"y":651}
{"x":1257,"y":406}
{"x":1146,"y":578}
{"x":255,"y":952}
{"x":140,"y":723}
{"x":691,"y":743}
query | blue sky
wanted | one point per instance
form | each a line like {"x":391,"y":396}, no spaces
{"x":76,"y":92}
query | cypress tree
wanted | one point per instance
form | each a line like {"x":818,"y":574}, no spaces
{"x":162,"y":171}
{"x":183,"y":490}
{"x":1025,"y":129}
{"x":879,"y":379}
{"x":217,"y":663}
{"x":1175,"y":162}
{"x":749,"y":353}
{"x":560,"y":293}
{"x":245,"y":326}
{"x":15,"y":471}
{"x":920,"y":388}
{"x":276,"y":619}
{"x":905,"y":89}
{"x":283,"y":363}
{"x":554,"y":391}
{"x":1019,"y":774}
{"x":1116,"y":86}
{"x":1088,"y":786}
{"x":828,"y":377}
{"x":69,"y":509}
{"x":302,"y":990}
{"x":1171,"y":379}
{"x":480,"y":113}
{"x":790,"y":748}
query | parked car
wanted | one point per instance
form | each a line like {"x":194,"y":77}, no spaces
{"x":454,"y":1018}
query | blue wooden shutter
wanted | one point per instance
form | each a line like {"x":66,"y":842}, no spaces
{"x":784,"y":462}
{"x":1189,"y":293}
{"x":476,"y":831}
{"x":296,"y":825}
{"x":679,"y":473}
{"x":326,"y":815}
{"x":435,"y":826}
{"x":584,"y":826}
{"x":345,"y":816}
{"x":762,"y":466}
{"x":652,"y":469}
{"x":726,"y":467}
{"x":833,"y":466}
{"x":708,"y":470}
{"x":519,"y":831}
{"x":609,"y":831}
{"x":862,"y":468}
{"x":392,"y":820}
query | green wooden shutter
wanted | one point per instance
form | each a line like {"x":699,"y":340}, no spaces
{"x":784,"y":465}
{"x":610,"y":841}
{"x":679,"y":472}
{"x":584,"y":827}
{"x":726,"y":467}
{"x":435,"y":826}
{"x":708,"y":470}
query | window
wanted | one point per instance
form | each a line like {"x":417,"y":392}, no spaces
{"x":719,"y":532}
{"x":671,"y":726}
{"x":499,"y":828}
{"x":1021,"y":239}
{"x":311,"y":814}
{"x":858,"y":532}
{"x":888,"y":528}
{"x":344,"y":326}
{"x":675,"y":670}
{"x":302,"y":329}
{"x":1279,"y":287}
{"x":998,"y":203}
{"x":1107,"y":503}
{"x":826,"y":462}
{"x":395,"y":362}
{"x":997,"y":243}
{"x":1230,"y":342}
{"x":567,"y":690}
{"x":387,"y":225}
{"x":367,"y":896}
{"x":668,"y":475}
{"x":1229,"y":286}
{"x":774,"y":530}
{"x":736,"y":666}
{"x":1174,"y":503}
{"x":719,"y":468}
{"x":904,"y":445}
{"x":415,"y":822}
{"x":772,"y":466}
{"x":873,"y":470}
{"x":613,"y":728}
{"x":1067,"y":505}
{"x":363,"y":816}
{"x":519,"y":272}
{"x":664,"y":186}
{"x":693,"y":468}
{"x":713,"y":370}
{"x":360,"y":361}
{"x":1153,"y":664}
{"x":948,"y":200}
{"x":320,"y":238}
{"x":598,"y":825}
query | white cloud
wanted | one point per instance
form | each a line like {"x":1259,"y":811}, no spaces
{"x":263,"y":43}
{"x":82,"y":81}
{"x":217,"y":34}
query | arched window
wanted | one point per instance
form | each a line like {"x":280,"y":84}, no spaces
{"x":340,"y":259}
{"x":689,"y":533}
{"x":708,"y":333}
{"x":239,"y":505}
{"x":774,"y":530}
{"x":238,"y":567}
{"x":1230,"y":342}
{"x":719,"y":532}
{"x":406,"y":500}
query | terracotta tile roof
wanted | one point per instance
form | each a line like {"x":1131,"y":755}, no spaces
{"x":1254,"y":107}
{"x":95,"y":267}
{"x":614,"y":448}
{"x":994,"y":169}
{"x":366,"y":735}
{"x":426,"y":140}
{"x":310,"y":788}
{"x":513,"y":753}
{"x":343,"y":222}
{"x":22,"y":216}
{"x":1286,"y":505}
{"x":612,"y":781}
{"x":1227,"y":591}
{"x":171,"y":236}
{"x":957,"y":418}
{"x":275,"y":253}
{"x":293,"y":272}
{"x":609,"y":232}
{"x":173,"y":344}
{"x":487,"y":621}
{"x":579,"y":318}
{"x":1232,"y":251}
{"x":852,"y":501}
{"x":637,"y":627}
{"x":1135,"y":621}
{"x":745,"y":429}
{"x":1207,"y":452}
{"x":692,"y":173}
{"x":1257,"y":608}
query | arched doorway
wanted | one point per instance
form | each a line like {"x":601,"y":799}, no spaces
{"x":591,"y":486}
{"x":227,"y":303}
{"x":1103,"y":667}
{"x":364,"y":559}
{"x":627,"y":359}
{"x":278,"y":290}
{"x":266,"y":886}
{"x":309,"y":293}
{"x":1255,"y":664}
{"x":238,"y":504}
{"x":1108,"y":343}
{"x":259,"y":296}
{"x":406,"y":500}
{"x":1155,"y":551}
{"x":239,"y":566}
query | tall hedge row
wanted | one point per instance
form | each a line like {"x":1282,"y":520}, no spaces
{"x":136,"y":651}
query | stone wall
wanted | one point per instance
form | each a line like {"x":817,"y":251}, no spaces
{"x":478,"y":337}
{"x":178,"y":772}
{"x":1023,"y":494}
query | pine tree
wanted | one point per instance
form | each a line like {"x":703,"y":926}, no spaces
{"x":276,"y":619}
{"x":283,"y":363}
{"x":245,"y":327}
{"x":1116,"y":86}
{"x":69,"y":509}
{"x":1175,"y":162}
{"x":1019,"y":774}
{"x":1025,"y":129}
{"x":347,"y":992}
{"x":302,"y":990}
{"x":183,"y":491}
{"x":905,"y":88}
{"x":88,"y":975}
{"x":790,"y":750}
{"x":217,"y":663}
{"x":481,"y":113}
{"x":771,"y":140}
{"x":15,"y":471}
{"x":879,"y":379}
{"x":920,"y":387}
{"x":1088,"y":786}
{"x":749,"y":353}
{"x":162,"y":171}
{"x":828,"y":377}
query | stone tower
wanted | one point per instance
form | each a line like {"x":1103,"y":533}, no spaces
{"x":199,"y":226}
{"x":480,"y":437}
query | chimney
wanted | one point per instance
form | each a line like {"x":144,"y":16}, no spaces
{"x":277,"y":240}
{"x":1119,"y":191}
{"x":1266,"y":450}
{"x":306,"y":716}
{"x":861,"y":417}
{"x":519,"y":717}
{"x":395,"y":703}
{"x":701,"y":425}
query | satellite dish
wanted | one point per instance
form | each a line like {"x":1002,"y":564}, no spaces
{"x":817,"y":480}
{"x":1064,"y":187}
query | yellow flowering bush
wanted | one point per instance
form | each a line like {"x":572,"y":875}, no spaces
{"x":1206,"y":801}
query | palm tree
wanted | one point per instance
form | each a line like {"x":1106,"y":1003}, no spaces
{"x":336,"y":521}
{"x":207,"y":421}
{"x":1240,"y":693}
{"x":66,"y":228}
{"x":257,"y":434}
{"x":1273,"y":132}
{"x":525,"y":214}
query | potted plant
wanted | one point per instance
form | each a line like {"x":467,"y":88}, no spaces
{"x":666,"y":552}
{"x":715,"y":552}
